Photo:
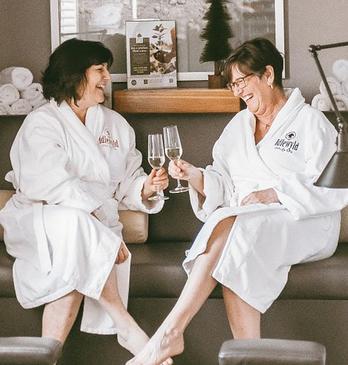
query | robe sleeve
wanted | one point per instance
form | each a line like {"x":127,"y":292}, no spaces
{"x":40,"y":163}
{"x":130,"y":188}
{"x":297,"y":192}
{"x":218,"y":187}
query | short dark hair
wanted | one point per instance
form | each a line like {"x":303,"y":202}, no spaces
{"x":67,"y":66}
{"x":253,"y":56}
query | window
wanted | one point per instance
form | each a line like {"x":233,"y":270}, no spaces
{"x":104,"y":20}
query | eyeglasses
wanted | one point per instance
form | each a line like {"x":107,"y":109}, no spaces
{"x":240,"y":83}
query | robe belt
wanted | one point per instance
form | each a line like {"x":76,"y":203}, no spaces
{"x":42,"y":243}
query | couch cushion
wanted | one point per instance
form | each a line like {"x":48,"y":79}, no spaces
{"x":6,"y":281}
{"x":157,"y":272}
{"x":5,"y":195}
{"x":135,"y":224}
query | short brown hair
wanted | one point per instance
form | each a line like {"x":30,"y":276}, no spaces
{"x":67,"y":67}
{"x":253,"y":56}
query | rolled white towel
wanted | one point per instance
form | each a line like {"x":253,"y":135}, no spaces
{"x":334,"y":84}
{"x":20,"y":77}
{"x":35,"y":103}
{"x":4,"y":109}
{"x":342,"y":102}
{"x":340,"y":70}
{"x":21,"y":106}
{"x":32,"y":91}
{"x":37,"y":100}
{"x":8,"y":94}
{"x":321,"y":102}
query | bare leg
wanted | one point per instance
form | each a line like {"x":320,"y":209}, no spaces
{"x":168,"y":339}
{"x":59,"y":316}
{"x":244,"y":320}
{"x":130,"y":335}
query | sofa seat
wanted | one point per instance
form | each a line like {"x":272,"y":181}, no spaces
{"x":157,"y":273}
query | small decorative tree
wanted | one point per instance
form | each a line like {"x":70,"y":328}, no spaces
{"x":217,"y":33}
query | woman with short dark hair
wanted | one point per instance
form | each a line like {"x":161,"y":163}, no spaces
{"x":262,"y":212}
{"x":74,"y":166}
{"x":66,"y":71}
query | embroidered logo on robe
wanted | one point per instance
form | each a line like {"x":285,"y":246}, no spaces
{"x":106,"y":139}
{"x":287,"y":144}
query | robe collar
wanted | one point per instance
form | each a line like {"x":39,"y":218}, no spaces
{"x":83,"y":135}
{"x":286,"y":114}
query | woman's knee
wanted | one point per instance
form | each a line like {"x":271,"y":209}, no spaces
{"x":67,"y":302}
{"x":221,"y":232}
{"x":228,"y":293}
{"x":224,"y":226}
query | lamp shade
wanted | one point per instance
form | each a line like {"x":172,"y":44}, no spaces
{"x":335,"y":174}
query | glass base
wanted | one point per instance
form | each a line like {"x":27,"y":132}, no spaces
{"x":180,"y":189}
{"x":158,"y":197}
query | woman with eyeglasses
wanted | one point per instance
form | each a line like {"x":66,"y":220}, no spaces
{"x":262,"y":212}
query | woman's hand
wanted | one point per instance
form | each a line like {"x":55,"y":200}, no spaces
{"x":157,"y":180}
{"x":266,"y":196}
{"x":122,"y":253}
{"x":180,"y":169}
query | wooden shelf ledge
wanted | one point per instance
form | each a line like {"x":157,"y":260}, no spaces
{"x":178,"y":100}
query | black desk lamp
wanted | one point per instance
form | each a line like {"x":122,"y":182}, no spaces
{"x":335,"y":174}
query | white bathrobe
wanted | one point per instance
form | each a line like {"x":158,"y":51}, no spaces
{"x":63,"y":171}
{"x":266,"y":240}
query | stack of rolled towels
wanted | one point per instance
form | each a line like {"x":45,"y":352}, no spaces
{"x":18,"y":93}
{"x":338,"y":84}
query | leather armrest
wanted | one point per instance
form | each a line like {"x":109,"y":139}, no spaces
{"x":29,"y":351}
{"x":271,"y":352}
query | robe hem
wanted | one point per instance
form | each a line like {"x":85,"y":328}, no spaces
{"x":107,"y":272}
{"x":46,"y":299}
{"x":253,"y":303}
{"x":95,"y":331}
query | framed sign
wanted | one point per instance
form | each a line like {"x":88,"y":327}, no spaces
{"x":151,"y":54}
{"x":104,"y":20}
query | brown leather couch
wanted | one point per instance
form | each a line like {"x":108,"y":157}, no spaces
{"x":313,"y":305}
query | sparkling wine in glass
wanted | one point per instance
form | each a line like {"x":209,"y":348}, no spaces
{"x":156,"y":158}
{"x":173,"y":150}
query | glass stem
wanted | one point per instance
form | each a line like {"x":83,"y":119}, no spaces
{"x":179,"y":183}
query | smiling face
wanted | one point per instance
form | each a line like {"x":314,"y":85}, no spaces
{"x":257,"y":93}
{"x":92,"y":91}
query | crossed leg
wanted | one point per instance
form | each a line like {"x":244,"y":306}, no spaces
{"x":59,"y":317}
{"x":168,"y":339}
{"x":130,"y":335}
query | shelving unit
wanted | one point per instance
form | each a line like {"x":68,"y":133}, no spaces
{"x":180,"y":100}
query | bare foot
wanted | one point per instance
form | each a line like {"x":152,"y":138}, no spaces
{"x":159,"y":349}
{"x":133,"y":338}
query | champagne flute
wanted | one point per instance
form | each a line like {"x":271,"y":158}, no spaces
{"x":173,"y":150}
{"x":156,"y":158}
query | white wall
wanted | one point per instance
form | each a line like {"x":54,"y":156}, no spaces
{"x":314,"y":22}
